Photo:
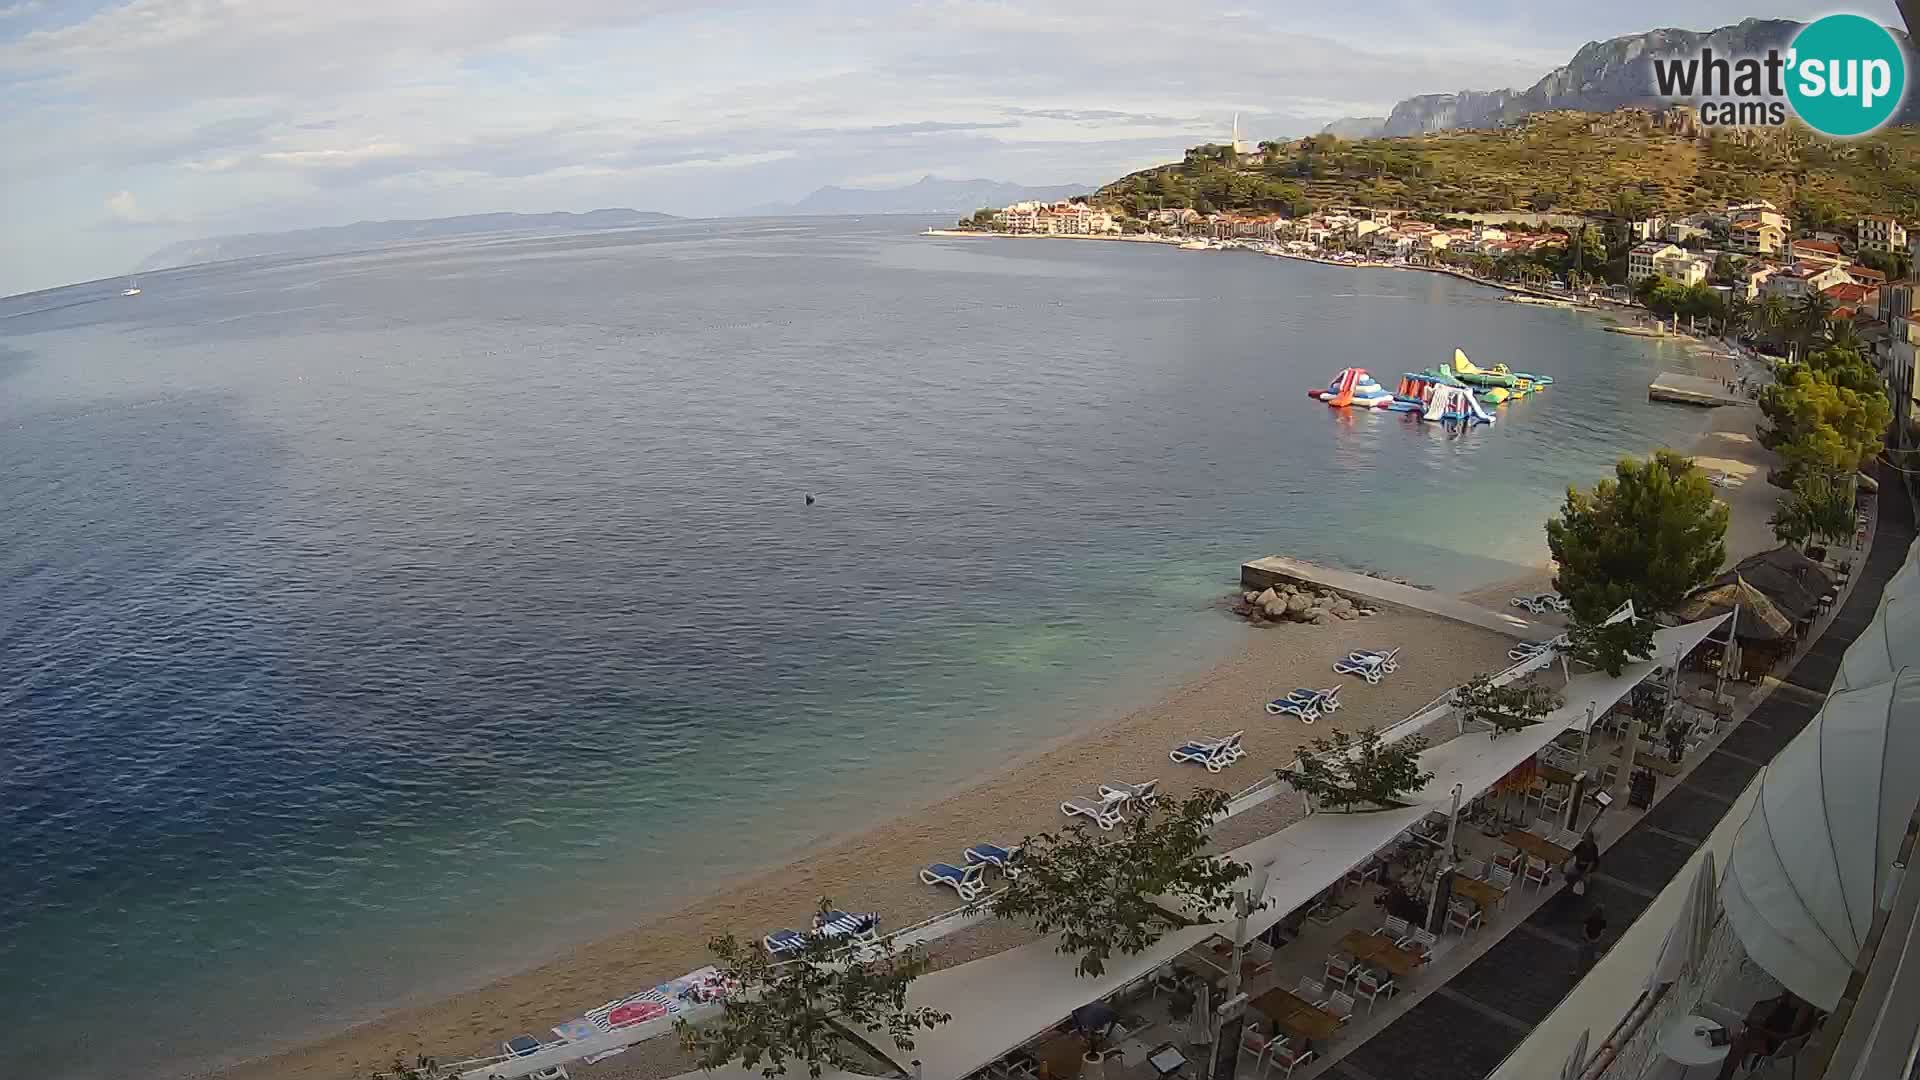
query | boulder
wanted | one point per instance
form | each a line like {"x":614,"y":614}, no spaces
{"x":1297,"y":604}
{"x":1250,"y":596}
{"x":1366,"y":611}
{"x":1262,"y":598}
{"x":1275,"y":610}
{"x":1344,"y":613}
{"x":1319,"y":617}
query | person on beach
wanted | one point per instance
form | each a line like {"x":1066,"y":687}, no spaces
{"x":1590,"y":934}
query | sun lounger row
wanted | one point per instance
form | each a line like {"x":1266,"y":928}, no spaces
{"x":1105,"y":811}
{"x":1306,"y":703}
{"x":856,"y":929}
{"x":1370,"y":664}
{"x":1541,"y":603}
{"x":1215,"y":754}
{"x":970,"y":880}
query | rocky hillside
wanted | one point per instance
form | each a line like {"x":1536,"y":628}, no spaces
{"x":1601,"y":77}
{"x":1562,"y":161}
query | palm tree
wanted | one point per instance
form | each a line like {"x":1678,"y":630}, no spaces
{"x":1772,"y":317}
{"x":1737,"y":316}
{"x":1810,"y":318}
{"x":1841,"y":335}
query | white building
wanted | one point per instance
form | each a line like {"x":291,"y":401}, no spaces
{"x":1681,"y":266}
{"x":1643,"y":258}
{"x":1880,"y":234}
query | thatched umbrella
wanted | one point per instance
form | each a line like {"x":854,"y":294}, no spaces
{"x":1760,"y":618}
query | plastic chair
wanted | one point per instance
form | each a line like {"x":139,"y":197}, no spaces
{"x":1394,"y":928}
{"x":1289,"y":1059}
{"x":1372,"y":985}
{"x":1341,"y":1006}
{"x":1474,"y":868}
{"x":1260,"y":1046}
{"x":1500,"y":878}
{"x":1788,"y":1051}
{"x":1309,"y":990}
{"x":1339,"y":970}
{"x":1463,"y":916}
{"x":1554,"y":801}
{"x":1420,"y":943}
{"x":1537,"y":873}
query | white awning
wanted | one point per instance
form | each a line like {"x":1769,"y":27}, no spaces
{"x":1892,"y":640}
{"x":1810,"y":860}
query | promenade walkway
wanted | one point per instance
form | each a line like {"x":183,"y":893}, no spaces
{"x":1275,"y":569}
{"x":1467,"y":1027}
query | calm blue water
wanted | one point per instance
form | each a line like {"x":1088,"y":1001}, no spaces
{"x":375,"y":623}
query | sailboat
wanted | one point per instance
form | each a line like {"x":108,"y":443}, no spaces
{"x":132,"y":289}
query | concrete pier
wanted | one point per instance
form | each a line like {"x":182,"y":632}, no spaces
{"x":1276,"y":569}
{"x":1691,"y":390}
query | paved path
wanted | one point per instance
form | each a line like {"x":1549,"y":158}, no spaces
{"x":1262,"y":573}
{"x":1466,"y":1028}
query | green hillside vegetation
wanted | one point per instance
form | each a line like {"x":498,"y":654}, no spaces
{"x":1563,"y":161}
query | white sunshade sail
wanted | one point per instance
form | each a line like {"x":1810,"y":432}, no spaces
{"x":1809,"y":862}
{"x":1892,"y":640}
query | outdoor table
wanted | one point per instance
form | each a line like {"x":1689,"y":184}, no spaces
{"x":1539,"y":847}
{"x":1062,"y":1055}
{"x":1216,"y":953}
{"x":1554,"y":774}
{"x":1296,"y":1015}
{"x":1485,"y":893}
{"x":1377,"y":950}
{"x":1167,"y":1060}
{"x":1678,"y":1042}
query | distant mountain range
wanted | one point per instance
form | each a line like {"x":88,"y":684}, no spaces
{"x":362,"y":235}
{"x":1601,"y":77}
{"x":928,"y":195}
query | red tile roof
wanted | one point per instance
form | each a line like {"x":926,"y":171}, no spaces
{"x":1847,"y":292}
{"x":1827,"y":246}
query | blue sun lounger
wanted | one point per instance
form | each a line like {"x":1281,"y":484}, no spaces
{"x":966,"y":882}
{"x":859,"y":927}
{"x":781,"y":942}
{"x":1145,"y":794}
{"x":1006,"y":860}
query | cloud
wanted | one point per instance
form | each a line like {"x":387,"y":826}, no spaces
{"x":125,"y":211}
{"x":286,"y":113}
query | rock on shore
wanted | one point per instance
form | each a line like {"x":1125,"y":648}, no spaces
{"x":1290,"y":603}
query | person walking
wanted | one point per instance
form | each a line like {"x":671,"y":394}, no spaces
{"x":1590,"y":934}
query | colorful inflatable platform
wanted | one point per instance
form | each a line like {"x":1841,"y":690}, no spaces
{"x":1438,"y":396}
{"x":1353,"y":387}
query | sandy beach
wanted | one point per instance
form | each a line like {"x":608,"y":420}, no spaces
{"x":877,"y":870}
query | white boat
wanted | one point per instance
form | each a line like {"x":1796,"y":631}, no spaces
{"x":132,"y":289}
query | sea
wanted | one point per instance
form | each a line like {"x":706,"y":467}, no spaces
{"x":375,"y":624}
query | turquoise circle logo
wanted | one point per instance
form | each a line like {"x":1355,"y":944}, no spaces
{"x":1847,"y":75}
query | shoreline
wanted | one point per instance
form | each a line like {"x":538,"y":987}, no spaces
{"x":876,"y":867}
{"x":872,"y":866}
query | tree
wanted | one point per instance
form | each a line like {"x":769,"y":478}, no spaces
{"x":1099,"y":895}
{"x":793,"y":1011}
{"x":1775,"y":318}
{"x":1609,"y":646}
{"x":1507,"y":708}
{"x":1810,"y":317}
{"x":1821,"y":420}
{"x":1820,"y":507}
{"x":1343,"y":771}
{"x":1651,"y":535}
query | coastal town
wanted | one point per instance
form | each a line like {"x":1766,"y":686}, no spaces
{"x":1731,"y":256}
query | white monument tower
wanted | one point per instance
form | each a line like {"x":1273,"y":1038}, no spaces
{"x":1238,"y":146}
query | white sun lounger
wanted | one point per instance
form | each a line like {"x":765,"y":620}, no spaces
{"x":1229,"y":746}
{"x":1307,"y":711}
{"x":1370,"y":668}
{"x":1105,"y":813}
{"x":1197,"y":753}
{"x":966,"y":882}
{"x":1144,"y":794}
{"x":1006,"y":859}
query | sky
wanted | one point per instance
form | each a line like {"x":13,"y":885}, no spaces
{"x":127,"y":126}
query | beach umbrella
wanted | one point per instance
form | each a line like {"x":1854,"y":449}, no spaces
{"x":1577,"y":1061}
{"x":1200,"y":1029}
{"x":1686,"y":944}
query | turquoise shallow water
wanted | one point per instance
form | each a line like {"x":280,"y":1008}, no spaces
{"x":374,"y":623}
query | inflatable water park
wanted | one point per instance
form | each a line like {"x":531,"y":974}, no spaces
{"x":1454,"y":393}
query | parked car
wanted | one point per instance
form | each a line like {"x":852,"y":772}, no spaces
{"x":525,"y":1045}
